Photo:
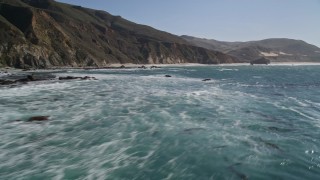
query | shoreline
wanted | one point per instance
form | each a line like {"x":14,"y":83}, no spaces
{"x":10,"y":75}
{"x":130,"y":65}
{"x":155,"y":66}
{"x":296,"y":63}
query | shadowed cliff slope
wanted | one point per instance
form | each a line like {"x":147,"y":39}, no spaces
{"x":45,"y":33}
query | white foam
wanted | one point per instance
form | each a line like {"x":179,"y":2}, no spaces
{"x":225,"y":69}
{"x":301,"y":103}
{"x":298,"y":112}
{"x":31,"y":88}
{"x":4,"y":74}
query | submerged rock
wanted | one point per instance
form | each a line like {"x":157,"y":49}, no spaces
{"x":38,"y":118}
{"x":167,"y":76}
{"x":233,"y":169}
{"x":192,"y":130}
{"x":206,"y":80}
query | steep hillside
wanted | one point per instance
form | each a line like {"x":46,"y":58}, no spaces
{"x":44,"y":33}
{"x":277,"y":49}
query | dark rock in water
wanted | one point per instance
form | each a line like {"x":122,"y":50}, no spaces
{"x":206,"y":80}
{"x":30,"y":77}
{"x":154,"y":67}
{"x":142,"y":67}
{"x":73,"y":77}
{"x":168,"y":76}
{"x":38,"y":118}
{"x":260,"y":61}
{"x":88,"y":78}
{"x":6,"y":82}
{"x":26,"y":69}
{"x":122,"y":67}
{"x":68,"y":78}
{"x":44,"y":77}
{"x":18,"y":78}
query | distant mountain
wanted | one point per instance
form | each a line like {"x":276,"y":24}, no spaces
{"x":276,"y":49}
{"x":44,"y":33}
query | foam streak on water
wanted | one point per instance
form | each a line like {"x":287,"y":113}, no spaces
{"x":257,"y":122}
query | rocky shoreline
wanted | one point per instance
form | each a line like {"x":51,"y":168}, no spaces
{"x":12,"y":76}
{"x":16,"y":77}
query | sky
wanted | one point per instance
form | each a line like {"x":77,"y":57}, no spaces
{"x":225,"y":20}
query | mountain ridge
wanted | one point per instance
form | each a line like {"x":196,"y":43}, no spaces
{"x":46,"y":33}
{"x":275,"y":49}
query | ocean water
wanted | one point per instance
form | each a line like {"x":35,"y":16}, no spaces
{"x":248,"y":122}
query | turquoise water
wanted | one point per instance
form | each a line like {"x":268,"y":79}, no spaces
{"x":248,"y":122}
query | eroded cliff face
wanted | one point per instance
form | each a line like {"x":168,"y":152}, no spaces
{"x":44,"y":33}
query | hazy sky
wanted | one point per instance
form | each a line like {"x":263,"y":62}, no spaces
{"x":227,"y":20}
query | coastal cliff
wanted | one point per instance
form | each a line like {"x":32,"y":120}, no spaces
{"x":45,"y":33}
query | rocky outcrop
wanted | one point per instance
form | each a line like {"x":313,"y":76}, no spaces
{"x":45,"y":33}
{"x":18,"y":79}
{"x":260,"y":61}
